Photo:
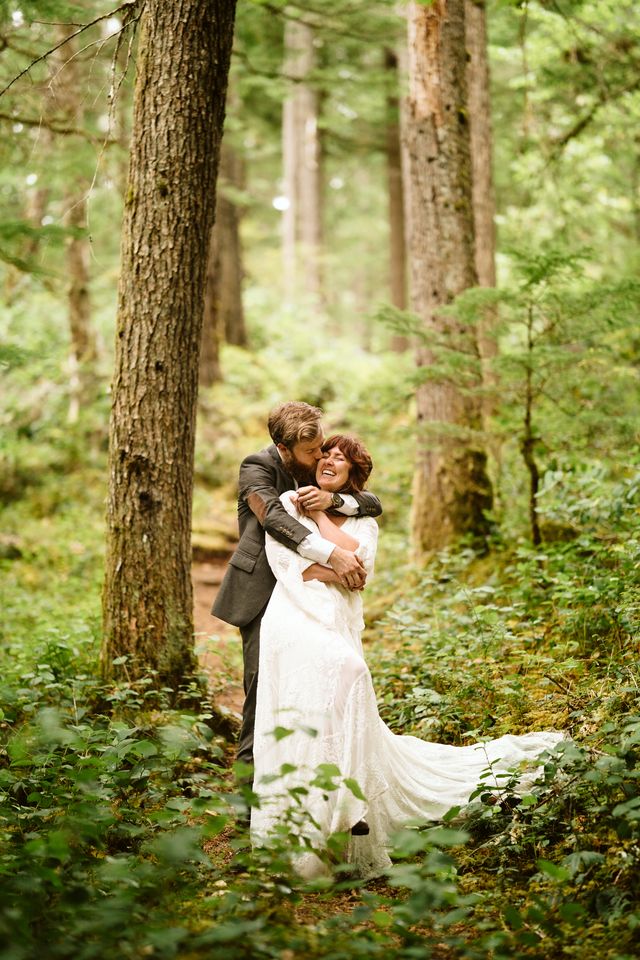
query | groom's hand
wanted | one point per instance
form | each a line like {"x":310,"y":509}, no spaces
{"x":349,"y":568}
{"x":310,"y":499}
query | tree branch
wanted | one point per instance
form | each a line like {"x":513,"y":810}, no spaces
{"x":608,"y":96}
{"x":128,"y":5}
{"x":319,"y":21}
{"x":578,"y":126}
{"x":55,"y":128}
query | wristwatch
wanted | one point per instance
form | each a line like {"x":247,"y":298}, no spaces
{"x":336,"y":500}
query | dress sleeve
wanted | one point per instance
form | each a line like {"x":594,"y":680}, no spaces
{"x":367,"y":534}
{"x":312,"y":596}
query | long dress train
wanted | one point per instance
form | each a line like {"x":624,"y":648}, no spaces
{"x":316,"y":706}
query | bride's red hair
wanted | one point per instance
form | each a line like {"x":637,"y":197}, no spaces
{"x":360,"y":462}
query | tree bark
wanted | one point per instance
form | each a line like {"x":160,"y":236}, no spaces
{"x":181,"y":79}
{"x":302,"y":220}
{"x":210,"y":371}
{"x":227,"y":230}
{"x":452,"y":490}
{"x":484,"y":204}
{"x":397,"y":226}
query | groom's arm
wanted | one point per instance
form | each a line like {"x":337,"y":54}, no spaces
{"x":361,"y":504}
{"x":257,"y":489}
{"x":367,"y":503}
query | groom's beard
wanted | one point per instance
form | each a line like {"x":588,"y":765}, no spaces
{"x":302,"y":474}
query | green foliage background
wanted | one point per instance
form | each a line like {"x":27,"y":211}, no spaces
{"x":116,"y":810}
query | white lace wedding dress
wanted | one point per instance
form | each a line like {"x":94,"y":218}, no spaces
{"x":316,"y":705}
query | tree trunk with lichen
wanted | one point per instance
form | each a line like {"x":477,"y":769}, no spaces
{"x":452,"y":490}
{"x":181,"y":79}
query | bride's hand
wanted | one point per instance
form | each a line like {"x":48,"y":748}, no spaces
{"x":299,"y":505}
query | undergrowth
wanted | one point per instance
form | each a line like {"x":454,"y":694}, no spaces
{"x":118,"y":814}
{"x":529,"y":640}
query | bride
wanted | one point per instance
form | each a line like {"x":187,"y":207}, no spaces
{"x":324,"y":760}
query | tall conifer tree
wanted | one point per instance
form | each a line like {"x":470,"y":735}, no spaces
{"x":302,"y":224}
{"x":181,"y":80}
{"x":452,"y":489}
{"x":484,"y":204}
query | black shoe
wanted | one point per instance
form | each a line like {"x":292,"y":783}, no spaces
{"x":360,"y":829}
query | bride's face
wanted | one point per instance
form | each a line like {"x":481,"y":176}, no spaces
{"x":332,"y":472}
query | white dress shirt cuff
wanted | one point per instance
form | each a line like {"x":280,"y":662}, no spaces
{"x":316,"y":548}
{"x":349,"y":507}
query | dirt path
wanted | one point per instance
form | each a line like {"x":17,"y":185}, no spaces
{"x":218,"y":644}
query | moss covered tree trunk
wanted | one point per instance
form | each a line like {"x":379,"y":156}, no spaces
{"x":452,"y":489}
{"x":181,"y":79}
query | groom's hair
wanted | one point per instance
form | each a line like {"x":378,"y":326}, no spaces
{"x":294,"y":422}
{"x":360,"y":462}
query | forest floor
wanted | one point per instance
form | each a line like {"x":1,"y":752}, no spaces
{"x":550,"y":639}
{"x":218,"y":643}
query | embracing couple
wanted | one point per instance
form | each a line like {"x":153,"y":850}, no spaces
{"x":307,"y":545}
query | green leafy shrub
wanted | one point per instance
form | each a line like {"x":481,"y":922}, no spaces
{"x":532,"y":639}
{"x":97,"y":827}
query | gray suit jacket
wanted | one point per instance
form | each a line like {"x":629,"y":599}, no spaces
{"x":249,"y":582}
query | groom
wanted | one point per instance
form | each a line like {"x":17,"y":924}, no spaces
{"x":289,"y":463}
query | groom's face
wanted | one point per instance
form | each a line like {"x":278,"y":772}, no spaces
{"x":302,"y":458}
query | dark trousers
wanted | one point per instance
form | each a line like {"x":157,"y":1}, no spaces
{"x":251,"y":657}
